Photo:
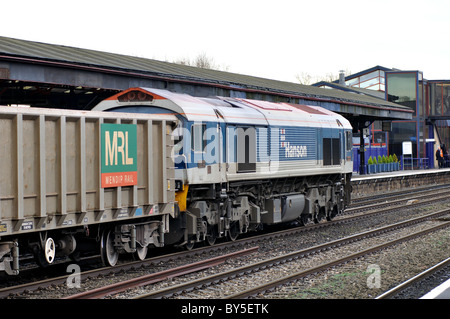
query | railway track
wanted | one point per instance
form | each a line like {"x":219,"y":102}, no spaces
{"x":126,"y":267}
{"x":420,"y":198}
{"x":185,"y":288}
{"x":130,"y":266}
{"x":399,"y":289}
{"x":261,"y":289}
{"x":394,"y":195}
{"x":159,"y":276}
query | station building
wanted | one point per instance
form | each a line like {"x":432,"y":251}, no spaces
{"x":428,"y":99}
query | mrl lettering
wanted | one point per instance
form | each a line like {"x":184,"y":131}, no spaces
{"x":115,"y":146}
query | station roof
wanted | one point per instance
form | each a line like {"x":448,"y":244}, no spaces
{"x":334,"y":85}
{"x":59,"y":56}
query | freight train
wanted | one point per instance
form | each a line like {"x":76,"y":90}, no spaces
{"x":150,"y":168}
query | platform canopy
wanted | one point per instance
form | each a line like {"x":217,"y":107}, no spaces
{"x":48,"y":75}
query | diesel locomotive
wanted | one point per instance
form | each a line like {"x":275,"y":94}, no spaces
{"x":241,"y":164}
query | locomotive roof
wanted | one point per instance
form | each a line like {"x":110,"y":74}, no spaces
{"x":230,"y":110}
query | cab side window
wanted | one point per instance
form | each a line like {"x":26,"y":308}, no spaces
{"x":198,"y":136}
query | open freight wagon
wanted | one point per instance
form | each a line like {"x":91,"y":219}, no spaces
{"x":70,"y":178}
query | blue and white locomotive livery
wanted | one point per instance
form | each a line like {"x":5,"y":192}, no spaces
{"x":241,"y":164}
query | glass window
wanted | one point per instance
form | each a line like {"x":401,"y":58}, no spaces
{"x":443,"y":127}
{"x":198,"y":137}
{"x":353,"y":82}
{"x":349,"y":140}
{"x":369,"y":76}
{"x":369,"y":83}
{"x":435,"y":92}
{"x":372,"y":81}
{"x":379,"y":138}
{"x":401,"y":89}
{"x":446,"y":98}
{"x":402,"y":132}
{"x":436,"y":98}
{"x":421,"y":104}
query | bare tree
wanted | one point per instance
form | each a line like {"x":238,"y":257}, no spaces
{"x":330,"y":77}
{"x":307,"y":79}
{"x":202,"y":61}
{"x":304,"y":78}
{"x":183,"y":61}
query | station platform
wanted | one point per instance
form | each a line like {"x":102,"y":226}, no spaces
{"x":440,"y":292}
{"x":362,"y":185}
{"x":357,"y":177}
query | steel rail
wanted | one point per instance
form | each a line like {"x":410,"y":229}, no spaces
{"x":427,"y":197}
{"x":5,"y":292}
{"x":285,"y":258}
{"x":298,"y":275}
{"x":365,"y":200}
{"x":428,"y":272}
{"x":159,"y":276}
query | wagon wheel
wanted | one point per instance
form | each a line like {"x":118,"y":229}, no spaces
{"x":49,"y":250}
{"x":45,"y":253}
{"x":107,"y":251}
{"x":75,"y":256}
{"x":141,"y":252}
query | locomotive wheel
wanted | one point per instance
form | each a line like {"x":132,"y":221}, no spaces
{"x":107,"y":251}
{"x":190,"y":244}
{"x":233,"y":232}
{"x":304,"y":219}
{"x":333,"y":213}
{"x":211,"y":235}
{"x":319,"y":214}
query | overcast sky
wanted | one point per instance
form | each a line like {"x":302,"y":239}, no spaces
{"x":275,"y":39}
